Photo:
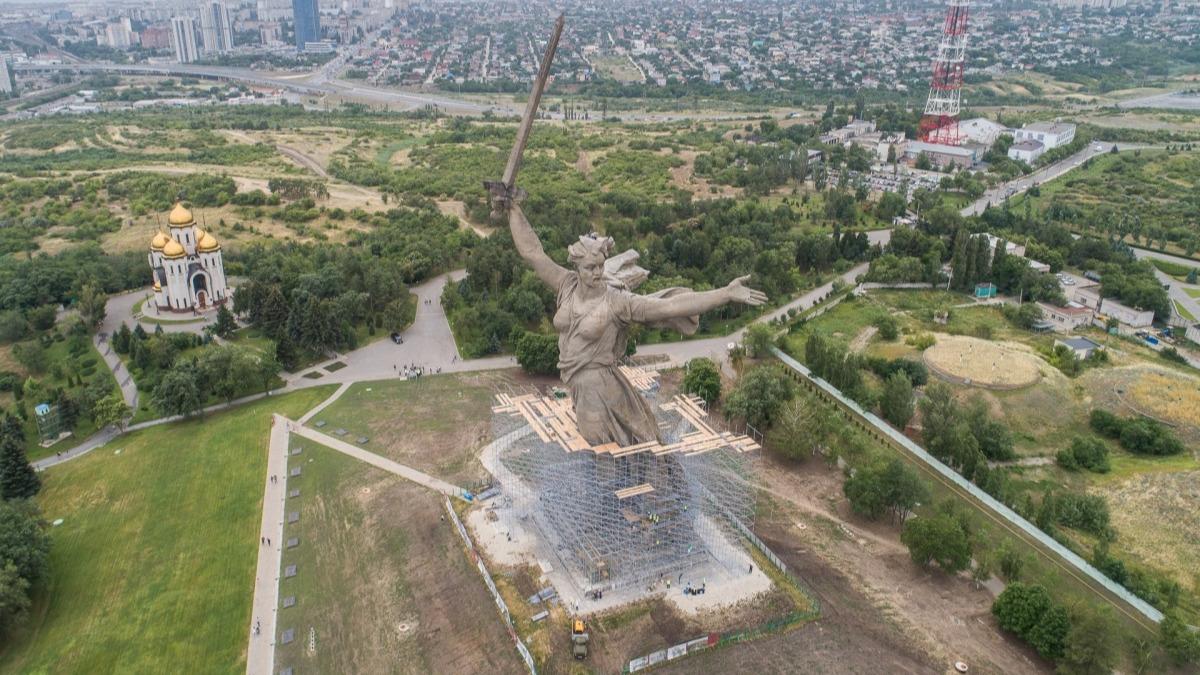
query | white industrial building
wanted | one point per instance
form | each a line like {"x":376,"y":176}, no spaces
{"x":982,"y":130}
{"x":1130,"y":316}
{"x":1031,"y":140}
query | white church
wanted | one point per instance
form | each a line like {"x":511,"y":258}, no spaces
{"x":189,"y":274}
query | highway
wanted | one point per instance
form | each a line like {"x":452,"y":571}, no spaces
{"x":319,"y":84}
{"x":1048,"y":173}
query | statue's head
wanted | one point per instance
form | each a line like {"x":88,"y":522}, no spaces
{"x":588,"y":256}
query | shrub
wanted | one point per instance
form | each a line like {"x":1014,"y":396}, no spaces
{"x":888,"y":328}
{"x":940,"y":538}
{"x":921,"y":341}
{"x":1085,"y":453}
{"x":1028,"y":612}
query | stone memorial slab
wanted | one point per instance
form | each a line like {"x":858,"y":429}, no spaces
{"x":321,"y":423}
{"x":293,"y":516}
{"x":288,"y":636}
{"x":295,"y":472}
{"x":289,"y":601}
{"x":294,"y":493}
{"x":293,"y":542}
{"x":340,"y":432}
{"x":362,"y":440}
{"x":296,"y":451}
{"x":289,"y":571}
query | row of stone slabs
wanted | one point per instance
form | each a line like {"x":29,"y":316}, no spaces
{"x":361,"y":440}
{"x":289,"y":635}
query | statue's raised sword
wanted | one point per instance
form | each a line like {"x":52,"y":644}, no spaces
{"x":500,"y":189}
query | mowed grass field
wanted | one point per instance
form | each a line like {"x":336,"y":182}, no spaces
{"x":434,"y":424}
{"x":383,"y":583}
{"x":152,"y":570}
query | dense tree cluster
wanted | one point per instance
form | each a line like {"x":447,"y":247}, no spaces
{"x":703,"y":379}
{"x":1140,"y":435}
{"x":885,"y":487}
{"x":943,"y":537}
{"x":966,"y":437}
{"x":760,"y":396}
{"x":1028,"y":611}
{"x":1084,"y":453}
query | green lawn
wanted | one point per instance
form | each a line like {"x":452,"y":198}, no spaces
{"x":434,"y":424}
{"x":375,"y":554}
{"x":1194,"y":292}
{"x":1183,"y":311}
{"x":153,"y":569}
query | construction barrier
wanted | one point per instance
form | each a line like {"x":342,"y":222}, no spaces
{"x":487,"y":579}
{"x":884,"y":433}
{"x":716,"y":639}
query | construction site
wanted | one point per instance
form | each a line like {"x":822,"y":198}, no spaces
{"x":608,"y":525}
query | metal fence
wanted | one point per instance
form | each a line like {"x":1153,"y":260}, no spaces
{"x":886,"y":433}
{"x":487,"y":579}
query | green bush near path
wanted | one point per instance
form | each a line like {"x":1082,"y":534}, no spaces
{"x":152,"y":570}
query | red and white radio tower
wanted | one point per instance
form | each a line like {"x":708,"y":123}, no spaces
{"x":940,"y":123}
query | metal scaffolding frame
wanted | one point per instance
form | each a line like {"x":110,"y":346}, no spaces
{"x":623,"y":517}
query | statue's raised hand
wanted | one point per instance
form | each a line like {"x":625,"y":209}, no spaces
{"x":739,"y":292}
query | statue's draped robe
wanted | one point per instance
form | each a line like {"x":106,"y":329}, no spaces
{"x":591,"y":343}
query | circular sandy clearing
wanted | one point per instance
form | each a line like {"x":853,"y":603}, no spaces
{"x":982,"y":363}
{"x":1166,"y":396}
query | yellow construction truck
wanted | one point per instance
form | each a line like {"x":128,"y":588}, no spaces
{"x":579,"y":639}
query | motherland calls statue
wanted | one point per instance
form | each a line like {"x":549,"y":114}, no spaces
{"x":596,"y":306}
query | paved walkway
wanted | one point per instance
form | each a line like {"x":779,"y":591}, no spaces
{"x":129,"y":390}
{"x":260,"y":656}
{"x":371,"y":458}
{"x":324,"y":404}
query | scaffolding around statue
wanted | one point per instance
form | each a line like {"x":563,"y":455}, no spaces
{"x":615,"y":516}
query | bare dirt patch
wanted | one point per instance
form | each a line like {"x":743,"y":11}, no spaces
{"x":453,"y":207}
{"x":880,"y":612}
{"x":983,"y":363}
{"x":382,"y":581}
{"x":863,"y":338}
{"x":684,"y":177}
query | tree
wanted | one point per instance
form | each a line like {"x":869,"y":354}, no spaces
{"x":1020,"y":607}
{"x":759,"y":337}
{"x":398,"y":314}
{"x":14,"y":596}
{"x":267,"y":368}
{"x":226,"y":324}
{"x":1091,"y":643}
{"x":1180,"y":643}
{"x":17,"y":478}
{"x":537,"y":353}
{"x":110,"y":410}
{"x":759,"y":396}
{"x":703,"y":379}
{"x":91,"y":303}
{"x":177,"y":393}
{"x":803,"y":426}
{"x":122,"y":339}
{"x":1049,"y":634}
{"x":939,"y":539}
{"x":896,"y":403}
{"x":24,"y":551}
{"x":32,"y":355}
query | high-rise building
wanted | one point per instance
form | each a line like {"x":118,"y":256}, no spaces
{"x":307,"y":21}
{"x":215,"y":29}
{"x":7,"y":85}
{"x":274,"y":10}
{"x":156,"y":37}
{"x":183,"y":39}
{"x":118,"y":35}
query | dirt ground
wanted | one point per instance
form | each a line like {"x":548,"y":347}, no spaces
{"x":382,"y":579}
{"x":685,"y":178}
{"x":880,"y":612}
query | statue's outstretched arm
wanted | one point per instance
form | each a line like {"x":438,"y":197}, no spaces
{"x":530,"y":248}
{"x":691,"y":304}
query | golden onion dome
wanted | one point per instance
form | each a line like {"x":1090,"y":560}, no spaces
{"x":157,"y":286}
{"x":207,"y":242}
{"x":160,"y":240}
{"x":180,"y":216}
{"x":173,"y":249}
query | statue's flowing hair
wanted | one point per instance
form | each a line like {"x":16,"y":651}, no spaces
{"x":589,"y":246}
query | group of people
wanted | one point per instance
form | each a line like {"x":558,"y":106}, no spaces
{"x":413,"y":370}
